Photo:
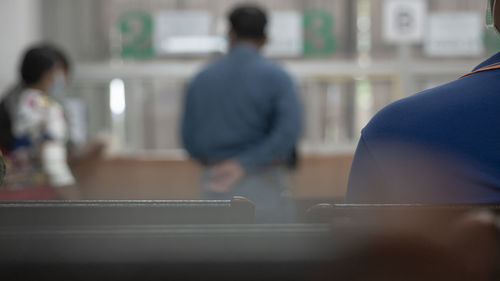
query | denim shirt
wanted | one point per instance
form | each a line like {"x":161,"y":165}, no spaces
{"x":241,"y":107}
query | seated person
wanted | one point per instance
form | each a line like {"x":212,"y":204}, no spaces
{"x":438,"y":146}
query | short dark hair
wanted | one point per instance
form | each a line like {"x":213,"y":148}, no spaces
{"x":62,"y":57}
{"x":36,"y":62}
{"x":248,"y":21}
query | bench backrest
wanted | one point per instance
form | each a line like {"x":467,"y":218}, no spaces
{"x":109,"y":213}
{"x":325,"y":213}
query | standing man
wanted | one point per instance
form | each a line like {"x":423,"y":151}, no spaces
{"x":242,"y":122}
{"x":438,"y":146}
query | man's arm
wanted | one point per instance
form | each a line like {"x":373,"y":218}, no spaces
{"x":54,"y":162}
{"x":365,"y":179}
{"x":188,"y":123}
{"x":285,"y":132}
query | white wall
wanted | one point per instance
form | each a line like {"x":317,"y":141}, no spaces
{"x":19,"y":27}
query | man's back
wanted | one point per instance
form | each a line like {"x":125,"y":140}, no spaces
{"x":235,"y":105}
{"x":438,"y":146}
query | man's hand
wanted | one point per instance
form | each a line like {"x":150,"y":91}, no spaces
{"x":225,"y":175}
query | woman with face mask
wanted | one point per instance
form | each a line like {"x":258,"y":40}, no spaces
{"x":36,"y":150}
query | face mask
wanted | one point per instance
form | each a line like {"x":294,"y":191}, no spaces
{"x":490,"y":18}
{"x":58,"y":89}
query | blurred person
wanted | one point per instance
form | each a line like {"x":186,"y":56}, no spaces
{"x":34,"y":132}
{"x":439,"y":146}
{"x":433,"y":248}
{"x":10,"y":98}
{"x":242,"y":122}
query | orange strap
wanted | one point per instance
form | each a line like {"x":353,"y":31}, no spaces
{"x":486,"y":68}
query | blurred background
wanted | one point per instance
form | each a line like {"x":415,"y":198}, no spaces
{"x":133,"y":59}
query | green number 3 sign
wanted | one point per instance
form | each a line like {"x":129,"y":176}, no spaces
{"x":318,"y":29}
{"x":136,"y":28}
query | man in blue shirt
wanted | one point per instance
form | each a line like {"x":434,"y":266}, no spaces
{"x":242,"y":121}
{"x":438,"y":146}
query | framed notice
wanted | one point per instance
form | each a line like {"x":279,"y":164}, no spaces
{"x":286,"y":35}
{"x":454,"y":34}
{"x":185,"y":33}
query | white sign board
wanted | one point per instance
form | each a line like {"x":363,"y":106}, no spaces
{"x":454,"y":34}
{"x":404,"y":21}
{"x":286,"y":35}
{"x":185,"y":32}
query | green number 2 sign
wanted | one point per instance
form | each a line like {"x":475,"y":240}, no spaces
{"x":136,"y":28}
{"x":318,"y":31}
